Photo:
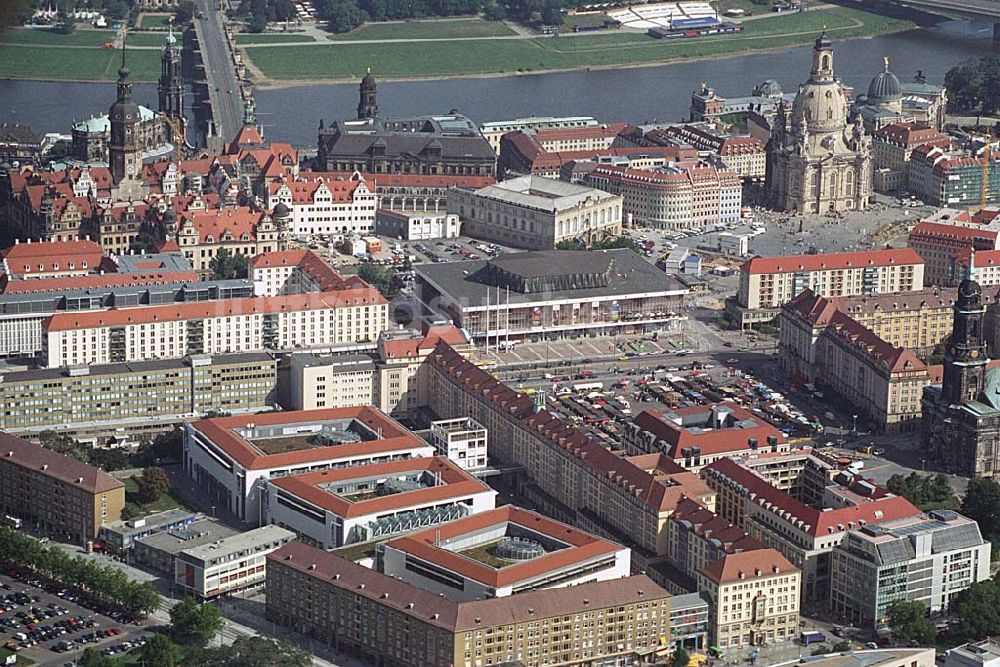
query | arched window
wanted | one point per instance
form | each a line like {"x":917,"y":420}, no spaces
{"x":825,"y":62}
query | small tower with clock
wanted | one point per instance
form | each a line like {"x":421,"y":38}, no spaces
{"x":965,"y":361}
{"x":124,"y":155}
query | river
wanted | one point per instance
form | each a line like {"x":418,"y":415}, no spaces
{"x":630,"y":95}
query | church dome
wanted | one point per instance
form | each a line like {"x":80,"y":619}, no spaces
{"x":884,"y":87}
{"x":281,"y":210}
{"x":820,"y":107}
{"x":769,"y":88}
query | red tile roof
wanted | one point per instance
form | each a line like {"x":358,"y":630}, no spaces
{"x":424,"y":545}
{"x":809,"y":519}
{"x":893,"y":359}
{"x":221,"y":432}
{"x":65,"y":321}
{"x":909,"y":134}
{"x":711,"y":440}
{"x":454,"y":483}
{"x":414,"y":347}
{"x":937,"y":232}
{"x":216,"y":223}
{"x":748,"y":565}
{"x":27,"y":258}
{"x":830,"y":261}
{"x":328,"y":278}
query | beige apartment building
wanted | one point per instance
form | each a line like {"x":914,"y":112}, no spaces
{"x":949,"y":231}
{"x":685,"y":196}
{"x":536,"y":213}
{"x":395,"y":624}
{"x":114,"y":403}
{"x":767,"y":283}
{"x":351,"y":316}
{"x":240,"y":230}
{"x":754,"y":598}
{"x":55,"y":494}
{"x":891,"y":149}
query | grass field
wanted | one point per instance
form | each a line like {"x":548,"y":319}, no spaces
{"x":427,"y":30}
{"x":94,"y":38}
{"x":402,"y":60}
{"x":155,"y":21}
{"x":75,"y":64}
{"x":265,"y":38}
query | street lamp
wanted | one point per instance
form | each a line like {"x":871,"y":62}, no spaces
{"x":854,"y":427}
{"x":213,"y":511}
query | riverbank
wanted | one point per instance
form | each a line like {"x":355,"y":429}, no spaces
{"x":438,"y":52}
{"x":294,"y":64}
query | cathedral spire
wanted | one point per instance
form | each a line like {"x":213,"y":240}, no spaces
{"x":970,"y":271}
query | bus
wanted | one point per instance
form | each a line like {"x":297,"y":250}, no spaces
{"x":582,"y":387}
{"x":11,"y":522}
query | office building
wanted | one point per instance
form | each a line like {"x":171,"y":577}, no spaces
{"x":696,"y":436}
{"x":553,"y":293}
{"x":158,"y":551}
{"x":507,"y":551}
{"x":460,"y":440}
{"x":929,"y":558}
{"x":767,"y":283}
{"x":604,"y":622}
{"x":118,"y":404}
{"x":416,"y":225}
{"x":953,"y":177}
{"x":824,"y":345}
{"x":985,"y":653}
{"x":55,"y":494}
{"x":335,"y":508}
{"x":229,"y":457}
{"x":689,"y":195}
{"x":536,"y":213}
{"x":228,"y":565}
{"x":122,"y":536}
{"x":333,"y":381}
{"x":689,"y":621}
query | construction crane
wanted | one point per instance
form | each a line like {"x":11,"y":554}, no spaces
{"x":984,"y":187}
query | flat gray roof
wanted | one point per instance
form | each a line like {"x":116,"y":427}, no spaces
{"x":151,"y":522}
{"x":134,"y":367}
{"x":200,"y":532}
{"x":239,"y":542}
{"x":630,"y":275}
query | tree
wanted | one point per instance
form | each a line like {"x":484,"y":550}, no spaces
{"x":193,"y":623}
{"x":921,"y":490}
{"x":494,"y":11}
{"x":841,"y":646}
{"x":982,"y":504}
{"x":227,"y":265}
{"x":342,"y":15}
{"x":251,"y":652}
{"x":65,"y":25}
{"x":384,"y":278}
{"x":93,"y":658}
{"x":14,"y":12}
{"x":974,"y":85}
{"x":552,"y":12}
{"x":159,"y":650}
{"x":977,"y":610}
{"x":909,"y":623}
{"x":680,"y":658}
{"x":153,"y":484}
{"x":184,"y":13}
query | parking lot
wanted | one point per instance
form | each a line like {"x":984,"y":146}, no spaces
{"x":50,"y":626}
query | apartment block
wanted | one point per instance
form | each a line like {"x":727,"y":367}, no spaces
{"x":51,"y":259}
{"x":492,"y":131}
{"x":352,"y":316}
{"x":230,"y":457}
{"x":201,"y":235}
{"x":699,"y":537}
{"x":745,"y":155}
{"x":688,"y":195}
{"x":767,"y":283}
{"x":892,"y":146}
{"x":396,"y":624}
{"x":572,"y":476}
{"x":334,"y":508}
{"x":536,"y":213}
{"x":119,"y":403}
{"x":296,"y":272}
{"x":754,"y":598}
{"x":228,"y":565}
{"x":55,"y":494}
{"x":461,"y":440}
{"x":943,"y":176}
{"x":331,"y":381}
{"x":930,"y":558}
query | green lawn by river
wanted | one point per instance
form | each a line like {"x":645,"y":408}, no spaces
{"x":42,"y":54}
{"x":414,"y":60}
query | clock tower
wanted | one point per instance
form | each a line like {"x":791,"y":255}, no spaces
{"x":965,"y":361}
{"x":123,"y":147}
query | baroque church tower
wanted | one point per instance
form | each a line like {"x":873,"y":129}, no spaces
{"x":171,"y":87}
{"x":368,"y":102}
{"x":124,"y":155}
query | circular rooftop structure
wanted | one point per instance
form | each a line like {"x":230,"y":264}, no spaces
{"x":518,"y":548}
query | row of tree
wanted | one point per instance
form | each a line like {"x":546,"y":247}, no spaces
{"x":974,"y":85}
{"x":345,"y":15}
{"x":260,"y":12}
{"x":192,"y":627}
{"x":105,"y":584}
{"x":163,"y":448}
{"x":603,"y":244}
